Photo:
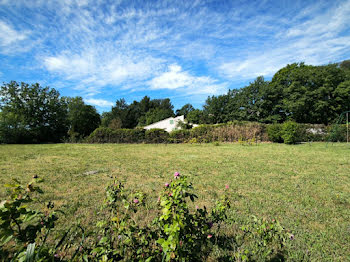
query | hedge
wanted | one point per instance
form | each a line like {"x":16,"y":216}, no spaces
{"x":288,"y":132}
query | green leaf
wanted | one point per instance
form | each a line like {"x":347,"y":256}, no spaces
{"x":5,"y":239}
{"x":30,"y":253}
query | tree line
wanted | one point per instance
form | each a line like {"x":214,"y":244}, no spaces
{"x":30,"y":113}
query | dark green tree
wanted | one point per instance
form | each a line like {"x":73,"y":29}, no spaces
{"x":248,"y":103}
{"x":308,"y":92}
{"x":184,"y":110}
{"x":345,"y":64}
{"x":31,"y":114}
{"x":195,"y":117}
{"x":215,"y":109}
{"x":157,"y":114}
{"x":82,"y":118}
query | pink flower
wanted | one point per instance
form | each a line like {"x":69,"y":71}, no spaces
{"x":226,"y":186}
{"x":170,"y":194}
{"x":177,"y":174}
{"x":197,"y":207}
{"x":136,"y":200}
{"x":209,"y":236}
{"x":166,"y":184}
{"x":291,"y":237}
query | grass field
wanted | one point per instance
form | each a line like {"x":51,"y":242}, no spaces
{"x":306,"y":187}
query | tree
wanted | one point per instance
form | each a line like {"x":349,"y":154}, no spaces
{"x":31,"y":114}
{"x":115,"y":124}
{"x":345,"y":64}
{"x":249,"y":101}
{"x":308,"y":92}
{"x":342,"y":97}
{"x":184,"y":110}
{"x":82,"y":118}
{"x":215,"y":109}
{"x":157,"y":114}
{"x":195,"y":117}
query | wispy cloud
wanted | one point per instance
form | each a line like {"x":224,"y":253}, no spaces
{"x":99,"y":102}
{"x":122,"y":47}
{"x":11,"y":39}
{"x":176,"y":78}
{"x":318,"y":40}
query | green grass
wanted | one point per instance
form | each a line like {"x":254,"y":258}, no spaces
{"x":306,"y":187}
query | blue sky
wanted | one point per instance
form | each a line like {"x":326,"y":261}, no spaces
{"x":184,"y":50}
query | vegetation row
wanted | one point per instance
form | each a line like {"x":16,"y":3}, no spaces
{"x":242,"y":132}
{"x":298,"y":92}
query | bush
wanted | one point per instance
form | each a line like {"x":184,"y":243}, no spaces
{"x":202,"y":133}
{"x":179,"y":232}
{"x":179,"y":136}
{"x":291,"y":132}
{"x":127,"y":136}
{"x":24,"y":231}
{"x":314,"y":132}
{"x":336,"y":133}
{"x":108,"y":135}
{"x":235,"y":131}
{"x":100,"y":135}
{"x":274,"y":132}
{"x":156,"y":136}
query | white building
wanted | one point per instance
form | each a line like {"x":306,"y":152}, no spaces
{"x":168,"y":124}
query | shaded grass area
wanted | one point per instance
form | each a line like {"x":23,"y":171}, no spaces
{"x":306,"y":187}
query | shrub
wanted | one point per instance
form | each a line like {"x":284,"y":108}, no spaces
{"x":274,"y":132}
{"x":179,"y":136}
{"x":202,"y":133}
{"x":291,"y":132}
{"x":336,"y":133}
{"x":178,"y":232}
{"x":100,"y":135}
{"x":262,"y":240}
{"x":236,"y":131}
{"x":313,"y":132}
{"x":127,"y":136}
{"x":108,"y":135}
{"x":24,"y":231}
{"x":156,"y":135}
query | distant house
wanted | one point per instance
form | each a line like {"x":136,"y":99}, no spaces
{"x":169,"y":124}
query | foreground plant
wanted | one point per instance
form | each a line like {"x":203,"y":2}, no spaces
{"x":24,"y":231}
{"x":180,"y":231}
{"x":186,"y":235}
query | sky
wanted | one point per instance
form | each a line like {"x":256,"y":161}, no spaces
{"x":184,"y":50}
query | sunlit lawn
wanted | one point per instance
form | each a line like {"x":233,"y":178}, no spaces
{"x":306,"y":187}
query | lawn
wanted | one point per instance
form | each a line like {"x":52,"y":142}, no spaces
{"x":306,"y":187}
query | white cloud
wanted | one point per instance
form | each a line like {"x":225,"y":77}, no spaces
{"x":93,"y":46}
{"x":317,"y":40}
{"x":99,"y":102}
{"x":93,"y":69}
{"x":177,"y":79}
{"x":9,"y":36}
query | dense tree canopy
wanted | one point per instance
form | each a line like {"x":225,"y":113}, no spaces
{"x":185,"y":110}
{"x":82,"y":118}
{"x":141,"y":113}
{"x":299,"y":92}
{"x":31,"y":114}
